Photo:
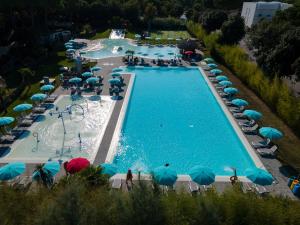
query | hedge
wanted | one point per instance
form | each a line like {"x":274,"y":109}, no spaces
{"x":273,"y":92}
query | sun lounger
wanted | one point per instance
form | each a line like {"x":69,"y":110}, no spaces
{"x":250,"y":130}
{"x":261,"y":144}
{"x":7,"y":138}
{"x":261,"y":190}
{"x":193,"y":187}
{"x":116,"y":184}
{"x":26,"y":123}
{"x":236,"y":110}
{"x":247,"y":123}
{"x":51,"y":98}
{"x":239,"y":115}
{"x":39,"y":109}
{"x":267,"y":151}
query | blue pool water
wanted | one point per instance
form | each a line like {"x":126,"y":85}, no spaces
{"x":173,"y":117}
{"x":165,"y":52}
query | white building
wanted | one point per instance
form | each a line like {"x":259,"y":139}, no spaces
{"x":253,"y":12}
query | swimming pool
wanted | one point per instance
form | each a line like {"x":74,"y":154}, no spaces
{"x":107,"y":50}
{"x":173,"y":117}
{"x":89,"y":118}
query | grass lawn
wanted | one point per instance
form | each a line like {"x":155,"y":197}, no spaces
{"x":49,"y":68}
{"x":170,"y":34}
{"x":289,"y":145}
{"x":101,"y":34}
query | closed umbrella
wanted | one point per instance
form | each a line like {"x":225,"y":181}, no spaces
{"x":109,"y":169}
{"x":202,"y":175}
{"x":212,"y":65}
{"x":22,"y":107}
{"x":259,"y":176}
{"x":6,"y":120}
{"x":96,"y":68}
{"x":231,"y":90}
{"x":188,"y":52}
{"x":221,"y":78}
{"x":225,"y":83}
{"x":164,"y":175}
{"x":87,"y":74}
{"x":75,"y":80}
{"x":12,"y":170}
{"x":270,"y":133}
{"x":92,"y":80}
{"x":77,"y":164}
{"x":47,"y":87}
{"x":239,"y":102}
{"x":252,"y":114}
{"x":38,"y":97}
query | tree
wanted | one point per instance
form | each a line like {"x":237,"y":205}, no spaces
{"x":149,"y":14}
{"x":233,"y":30}
{"x":27,"y":74}
{"x":213,"y":19}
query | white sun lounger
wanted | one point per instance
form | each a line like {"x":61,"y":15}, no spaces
{"x":26,"y":123}
{"x":261,"y":144}
{"x":250,"y":130}
{"x":267,"y":151}
{"x":247,"y":123}
{"x":239,"y":115}
{"x":116,"y":184}
{"x":38,"y":109}
{"x":7,"y":138}
{"x":51,"y":98}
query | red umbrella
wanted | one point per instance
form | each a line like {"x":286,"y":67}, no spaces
{"x":77,"y":164}
{"x":188,"y":52}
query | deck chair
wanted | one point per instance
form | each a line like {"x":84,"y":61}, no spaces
{"x":51,"y":98}
{"x":239,"y":115}
{"x":7,"y":138}
{"x":116,"y":184}
{"x":250,"y":130}
{"x":267,"y":151}
{"x":247,"y":123}
{"x":39,"y":109}
{"x":26,"y":123}
{"x":261,"y":144}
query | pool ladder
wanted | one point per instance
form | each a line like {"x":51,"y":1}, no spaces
{"x":36,"y":135}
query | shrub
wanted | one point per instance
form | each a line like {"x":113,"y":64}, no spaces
{"x":274,"y":92}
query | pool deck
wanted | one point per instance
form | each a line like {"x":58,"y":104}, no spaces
{"x":271,"y":164}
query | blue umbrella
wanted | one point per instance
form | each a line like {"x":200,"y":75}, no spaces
{"x":11,"y":170}
{"x":216,"y":71}
{"x":270,"y":132}
{"x":259,"y":176}
{"x":202,"y":175}
{"x":225,"y":83}
{"x":87,"y":74}
{"x":114,"y":81}
{"x":221,"y":78}
{"x":75,"y":80}
{"x":6,"y":120}
{"x":239,"y":102}
{"x":38,"y":97}
{"x":96,"y":68}
{"x":47,"y":87}
{"x":109,"y":169}
{"x":252,"y":114}
{"x":164,"y":175}
{"x":92,"y":80}
{"x":51,"y":167}
{"x":231,"y":90}
{"x":22,"y":107}
{"x":115,"y":70}
{"x":209,"y":60}
{"x":212,"y":65}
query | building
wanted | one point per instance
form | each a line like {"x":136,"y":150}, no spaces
{"x":253,"y":12}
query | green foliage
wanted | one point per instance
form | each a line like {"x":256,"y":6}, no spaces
{"x":233,"y":30}
{"x":26,"y":74}
{"x":277,"y":43}
{"x":273,"y":91}
{"x":77,"y":203}
{"x":213,"y":19}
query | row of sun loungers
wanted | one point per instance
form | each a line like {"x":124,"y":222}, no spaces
{"x":248,"y":127}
